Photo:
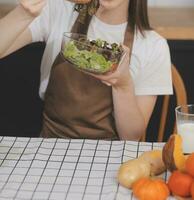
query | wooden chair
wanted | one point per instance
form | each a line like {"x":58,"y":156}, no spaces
{"x":181,"y":99}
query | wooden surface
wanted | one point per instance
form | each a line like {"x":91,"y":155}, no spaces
{"x":172,"y":23}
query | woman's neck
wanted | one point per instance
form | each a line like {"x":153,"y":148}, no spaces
{"x":115,"y":16}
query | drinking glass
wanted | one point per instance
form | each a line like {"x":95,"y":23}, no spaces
{"x":185,"y":126}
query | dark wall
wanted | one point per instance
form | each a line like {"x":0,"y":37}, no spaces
{"x":182,"y":53}
{"x":21,"y":107}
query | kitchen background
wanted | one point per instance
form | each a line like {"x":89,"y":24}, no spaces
{"x":171,"y":3}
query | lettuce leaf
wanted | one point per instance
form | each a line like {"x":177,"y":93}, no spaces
{"x":84,"y":59}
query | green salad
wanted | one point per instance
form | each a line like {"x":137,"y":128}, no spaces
{"x":94,"y":56}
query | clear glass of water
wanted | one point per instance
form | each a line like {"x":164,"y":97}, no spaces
{"x":185,"y":126}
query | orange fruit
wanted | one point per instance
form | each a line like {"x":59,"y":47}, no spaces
{"x":180,"y":184}
{"x":189,"y":165}
{"x":192,"y":190}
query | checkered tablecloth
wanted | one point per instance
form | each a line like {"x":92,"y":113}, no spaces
{"x":41,"y":169}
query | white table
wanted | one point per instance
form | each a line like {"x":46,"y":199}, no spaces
{"x":41,"y":169}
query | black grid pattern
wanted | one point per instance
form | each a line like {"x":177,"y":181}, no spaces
{"x":41,"y":169}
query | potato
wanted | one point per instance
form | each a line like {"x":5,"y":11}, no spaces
{"x":155,"y":160}
{"x":131,"y":171}
{"x":149,"y":163}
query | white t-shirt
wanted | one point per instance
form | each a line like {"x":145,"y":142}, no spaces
{"x":150,"y":65}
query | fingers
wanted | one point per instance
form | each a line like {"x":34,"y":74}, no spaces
{"x":106,"y":83}
{"x":125,"y":48}
{"x":126,"y":52}
{"x":124,"y":56}
{"x":38,"y":7}
{"x":109,"y":80}
{"x":101,"y":77}
{"x":124,"y":61}
{"x":33,"y":7}
{"x":112,"y":78}
{"x":107,"y":77}
{"x":28,"y":3}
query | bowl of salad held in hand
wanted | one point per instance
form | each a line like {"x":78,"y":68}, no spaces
{"x":93,"y":56}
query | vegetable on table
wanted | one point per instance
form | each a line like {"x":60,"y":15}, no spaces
{"x":148,"y":164}
{"x":172,"y":154}
{"x":138,"y":173}
{"x":180,"y":183}
{"x":131,"y":171}
{"x":189,"y":165}
{"x":192,"y":190}
{"x":155,"y":159}
{"x":150,"y":189}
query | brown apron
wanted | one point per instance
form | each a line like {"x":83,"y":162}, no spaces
{"x":78,"y":105}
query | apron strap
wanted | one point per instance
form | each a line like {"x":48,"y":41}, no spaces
{"x":83,"y":20}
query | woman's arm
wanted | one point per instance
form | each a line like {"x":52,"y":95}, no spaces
{"x":14,"y":33}
{"x":131,"y":112}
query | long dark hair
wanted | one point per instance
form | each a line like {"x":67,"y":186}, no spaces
{"x":138,"y":15}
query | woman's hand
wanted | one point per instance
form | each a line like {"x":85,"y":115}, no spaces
{"x":14,"y":32}
{"x":120,"y":79}
{"x":33,"y":7}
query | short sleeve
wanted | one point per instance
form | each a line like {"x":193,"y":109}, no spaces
{"x":40,"y":26}
{"x":155,"y":77}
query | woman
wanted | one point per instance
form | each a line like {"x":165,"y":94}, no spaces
{"x":78,"y":105}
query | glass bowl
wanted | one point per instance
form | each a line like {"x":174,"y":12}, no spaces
{"x":93,"y":56}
